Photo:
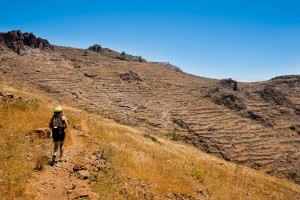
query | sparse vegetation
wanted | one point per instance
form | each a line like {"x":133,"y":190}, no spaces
{"x":123,"y":55}
{"x":21,"y":152}
{"x":140,"y":59}
{"x":198,"y":173}
{"x":238,"y":169}
{"x":40,"y":161}
{"x":85,"y":53}
{"x":152,"y":138}
{"x":138,"y":167}
{"x":77,"y":66}
{"x":175,"y":168}
{"x":16,"y":121}
{"x":20,"y":104}
{"x":174,"y":135}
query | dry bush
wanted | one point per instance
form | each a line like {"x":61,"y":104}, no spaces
{"x":40,"y":161}
{"x":198,"y":173}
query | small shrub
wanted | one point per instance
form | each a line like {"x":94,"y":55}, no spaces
{"x":77,"y":66}
{"x":198,"y":173}
{"x":173,"y":135}
{"x":154,"y":139}
{"x":140,"y":59}
{"x":20,"y":104}
{"x":123,"y":54}
{"x":35,"y":105}
{"x":238,"y":169}
{"x":85,"y":53}
{"x":40,"y":162}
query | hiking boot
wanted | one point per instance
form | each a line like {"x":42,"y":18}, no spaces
{"x":53,"y":160}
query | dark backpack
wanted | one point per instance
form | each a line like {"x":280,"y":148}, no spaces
{"x":57,"y":122}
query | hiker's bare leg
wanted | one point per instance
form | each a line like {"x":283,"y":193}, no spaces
{"x":61,"y":149}
{"x":55,"y":151}
{"x":56,"y":144}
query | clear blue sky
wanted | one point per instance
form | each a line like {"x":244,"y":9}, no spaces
{"x":243,"y":39}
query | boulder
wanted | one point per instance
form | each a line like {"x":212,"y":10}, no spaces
{"x":82,"y":193}
{"x":84,"y":174}
{"x":42,"y":132}
{"x":78,"y":167}
{"x":90,"y":75}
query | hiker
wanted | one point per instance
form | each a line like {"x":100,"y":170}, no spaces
{"x":58,"y":124}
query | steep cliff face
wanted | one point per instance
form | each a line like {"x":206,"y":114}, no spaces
{"x":17,"y":41}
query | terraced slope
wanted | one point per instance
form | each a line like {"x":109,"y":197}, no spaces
{"x":261,"y":132}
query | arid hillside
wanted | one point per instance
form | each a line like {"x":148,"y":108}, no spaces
{"x":254,"y":124}
{"x":106,"y":160}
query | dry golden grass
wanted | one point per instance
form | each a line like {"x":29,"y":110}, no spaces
{"x":21,"y":152}
{"x":15,"y":121}
{"x":173,"y":167}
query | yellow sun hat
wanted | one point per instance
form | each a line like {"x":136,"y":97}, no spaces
{"x":58,"y":109}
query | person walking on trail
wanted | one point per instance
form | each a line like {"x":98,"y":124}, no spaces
{"x":58,"y":124}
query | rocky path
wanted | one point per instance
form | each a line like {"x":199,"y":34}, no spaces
{"x":66,"y":179}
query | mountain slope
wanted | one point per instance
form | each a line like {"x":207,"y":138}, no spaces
{"x":107,"y":160}
{"x":255,"y":124}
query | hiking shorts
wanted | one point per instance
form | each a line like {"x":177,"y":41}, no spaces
{"x":58,"y":135}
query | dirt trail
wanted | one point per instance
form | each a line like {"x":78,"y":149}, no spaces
{"x":60,"y":181}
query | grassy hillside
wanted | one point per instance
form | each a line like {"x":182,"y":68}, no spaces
{"x":253,"y":124}
{"x":17,"y":118}
{"x":136,"y":164}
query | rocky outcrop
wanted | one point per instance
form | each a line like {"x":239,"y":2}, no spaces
{"x":227,"y":98}
{"x":95,"y":47}
{"x":17,"y":41}
{"x":131,"y":76}
{"x":225,"y":93}
{"x":229,"y":84}
{"x":266,"y":121}
{"x":41,"y":132}
{"x":287,"y":77}
{"x":273,"y":96}
{"x":288,"y":80}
